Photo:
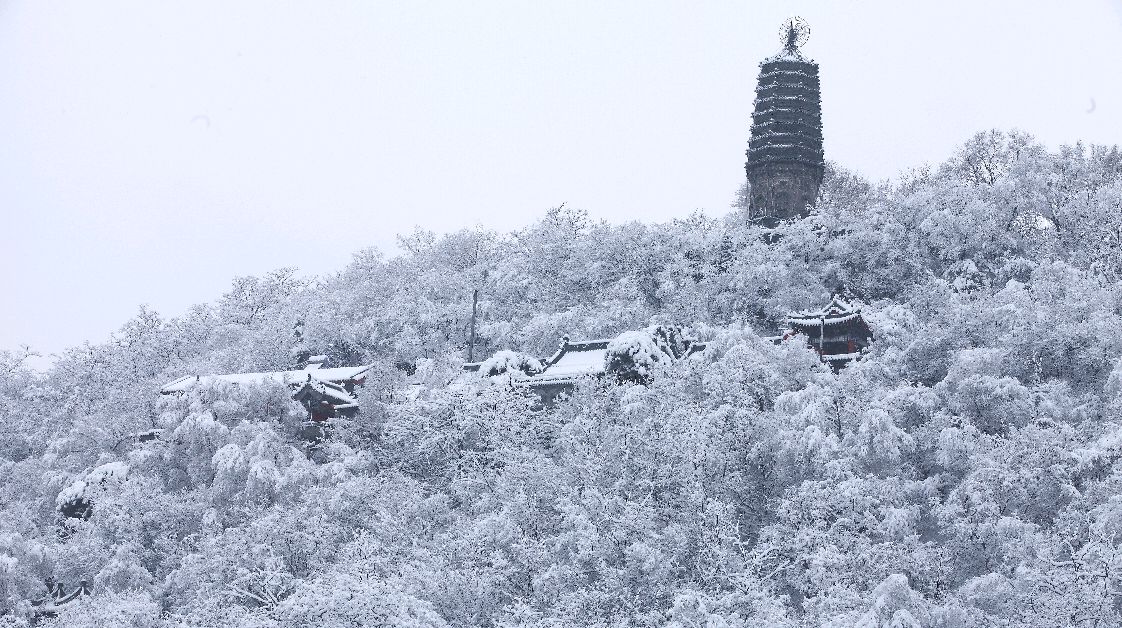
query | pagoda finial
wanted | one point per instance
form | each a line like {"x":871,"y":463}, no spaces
{"x":794,"y":33}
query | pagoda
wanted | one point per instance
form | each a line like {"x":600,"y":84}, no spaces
{"x":785,"y":160}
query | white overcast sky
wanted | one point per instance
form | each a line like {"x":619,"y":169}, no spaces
{"x":152,"y":151}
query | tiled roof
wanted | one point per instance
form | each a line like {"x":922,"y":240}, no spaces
{"x":836,"y":312}
{"x":291,"y":378}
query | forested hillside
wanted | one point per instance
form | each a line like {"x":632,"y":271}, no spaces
{"x":966,"y":472}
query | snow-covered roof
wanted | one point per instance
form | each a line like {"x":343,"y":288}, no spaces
{"x":334,"y":393}
{"x":576,"y":359}
{"x":291,"y":378}
{"x":836,"y":312}
{"x":56,"y":597}
{"x":584,"y":358}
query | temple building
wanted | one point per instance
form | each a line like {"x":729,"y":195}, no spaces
{"x":837,"y":332}
{"x":629,"y":356}
{"x":325,"y":392}
{"x":46,"y":607}
{"x":785,"y":159}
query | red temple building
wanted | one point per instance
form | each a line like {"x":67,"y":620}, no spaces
{"x":837,"y":332}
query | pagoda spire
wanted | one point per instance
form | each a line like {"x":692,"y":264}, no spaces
{"x":792,"y":44}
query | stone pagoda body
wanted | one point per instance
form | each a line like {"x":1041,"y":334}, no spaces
{"x":785,"y":159}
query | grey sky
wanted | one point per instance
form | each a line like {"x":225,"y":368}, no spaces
{"x":149,"y":152}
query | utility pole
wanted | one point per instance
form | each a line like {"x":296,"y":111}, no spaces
{"x":474,"y":310}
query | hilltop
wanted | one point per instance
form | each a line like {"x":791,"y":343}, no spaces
{"x":967,"y":472}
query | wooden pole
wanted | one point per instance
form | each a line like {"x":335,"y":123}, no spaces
{"x":474,"y":309}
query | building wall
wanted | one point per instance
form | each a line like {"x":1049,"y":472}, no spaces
{"x":782,"y":190}
{"x":785,"y":158}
